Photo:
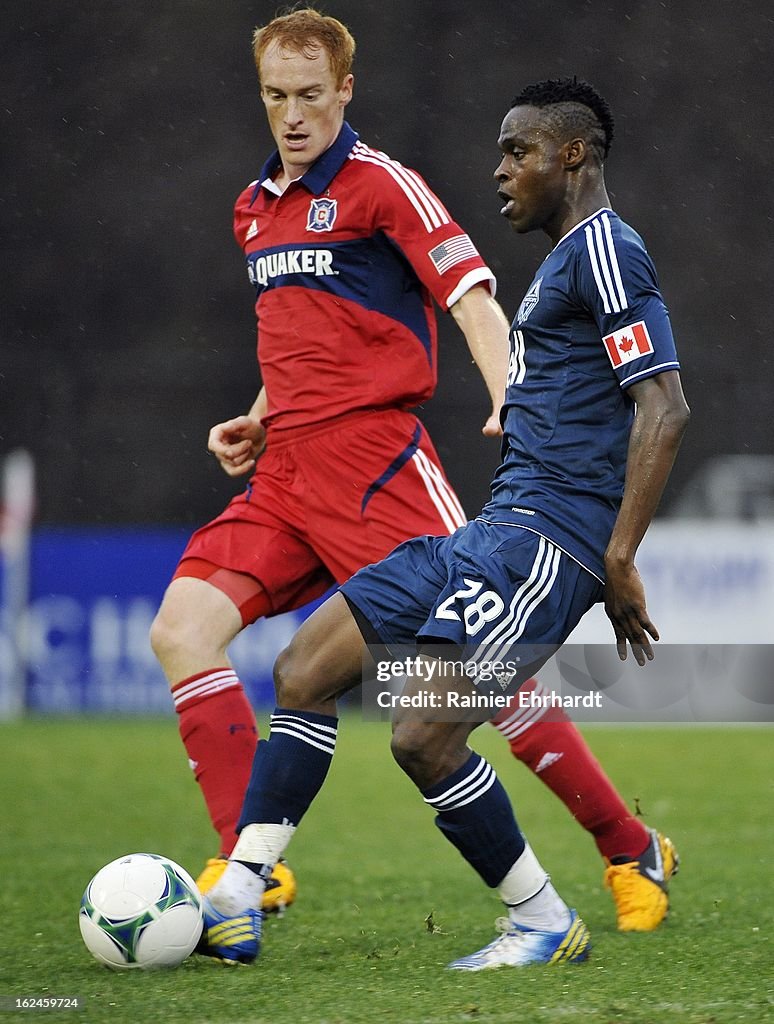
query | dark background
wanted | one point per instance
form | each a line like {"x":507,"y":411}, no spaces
{"x":129,"y":129}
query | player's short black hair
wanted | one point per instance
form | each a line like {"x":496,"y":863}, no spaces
{"x":578,"y":109}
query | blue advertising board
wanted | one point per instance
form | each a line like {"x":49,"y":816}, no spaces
{"x":93,"y":594}
{"x":75,"y":619}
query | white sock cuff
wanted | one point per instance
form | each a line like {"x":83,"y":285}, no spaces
{"x":525,"y":879}
{"x":262,"y":843}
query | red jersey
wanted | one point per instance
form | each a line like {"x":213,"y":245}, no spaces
{"x":345,"y":263}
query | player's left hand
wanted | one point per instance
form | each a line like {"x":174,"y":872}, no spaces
{"x":237,"y":443}
{"x":492,"y":426}
{"x":625,"y":607}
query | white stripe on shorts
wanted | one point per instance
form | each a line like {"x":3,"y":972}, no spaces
{"x":532,"y":591}
{"x":441,"y":494}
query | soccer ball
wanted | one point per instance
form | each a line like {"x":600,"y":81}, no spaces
{"x":142,"y":911}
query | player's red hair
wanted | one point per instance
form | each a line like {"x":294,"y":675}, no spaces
{"x":306,"y":31}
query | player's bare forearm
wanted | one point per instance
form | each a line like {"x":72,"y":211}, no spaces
{"x":260,"y":406}
{"x":659,"y":423}
{"x":485,"y":327}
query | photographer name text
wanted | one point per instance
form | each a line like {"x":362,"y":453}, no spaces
{"x":432,"y":699}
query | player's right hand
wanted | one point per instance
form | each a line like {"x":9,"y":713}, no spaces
{"x":236,"y":444}
{"x":625,"y":606}
{"x":492,"y":426}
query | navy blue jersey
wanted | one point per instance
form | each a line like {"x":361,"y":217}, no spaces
{"x":592,"y":323}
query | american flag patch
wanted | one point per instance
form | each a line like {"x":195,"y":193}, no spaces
{"x":451,"y":252}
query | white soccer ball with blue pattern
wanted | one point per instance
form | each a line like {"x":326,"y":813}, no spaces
{"x":141,"y":911}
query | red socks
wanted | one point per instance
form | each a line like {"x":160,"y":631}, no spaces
{"x":217,"y":726}
{"x":551,"y":746}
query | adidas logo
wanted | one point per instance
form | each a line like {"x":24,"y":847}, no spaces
{"x":252,"y":231}
{"x":547,"y":760}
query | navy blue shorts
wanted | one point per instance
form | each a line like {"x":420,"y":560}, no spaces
{"x":481,"y":590}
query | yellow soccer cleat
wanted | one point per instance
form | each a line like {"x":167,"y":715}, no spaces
{"x":280,"y":890}
{"x":213,"y":869}
{"x":640,"y":887}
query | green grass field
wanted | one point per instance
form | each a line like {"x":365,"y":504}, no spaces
{"x":357,"y":948}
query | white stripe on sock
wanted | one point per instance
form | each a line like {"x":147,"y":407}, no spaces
{"x":213,"y":683}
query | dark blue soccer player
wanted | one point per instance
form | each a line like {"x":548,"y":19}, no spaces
{"x":593,"y":417}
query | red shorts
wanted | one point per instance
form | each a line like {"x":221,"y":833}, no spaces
{"x":322,"y":503}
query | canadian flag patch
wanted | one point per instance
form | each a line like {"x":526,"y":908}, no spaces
{"x":628,"y":344}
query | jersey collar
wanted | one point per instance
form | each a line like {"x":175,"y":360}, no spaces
{"x":602,"y":209}
{"x":323,"y":170}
